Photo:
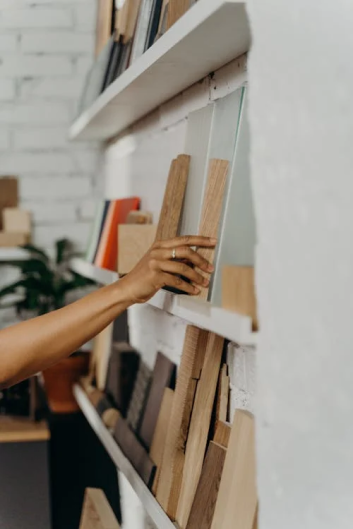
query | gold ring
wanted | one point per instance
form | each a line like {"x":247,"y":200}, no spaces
{"x":174,"y":253}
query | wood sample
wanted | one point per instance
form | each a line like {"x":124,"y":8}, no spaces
{"x":16,"y":220}
{"x":173,"y":198}
{"x":163,"y":375}
{"x":122,"y":371}
{"x":237,"y":499}
{"x":222,"y":433}
{"x":8,"y":194}
{"x":238,"y":291}
{"x":212,"y":209}
{"x":11,"y":240}
{"x":139,"y":217}
{"x":135,"y":452}
{"x":110,"y":418}
{"x":199,"y":427}
{"x":176,"y":9}
{"x":192,"y":360}
{"x":139,"y":396}
{"x":134,"y":7}
{"x":96,"y":512}
{"x":104,"y":24}
{"x":101,"y":354}
{"x":222,"y":395}
{"x":160,"y":434}
{"x":204,"y":504}
{"x":134,"y":241}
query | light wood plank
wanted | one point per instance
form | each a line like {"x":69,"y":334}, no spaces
{"x":192,"y":360}
{"x":104,"y":24}
{"x":101,"y":354}
{"x":160,"y":434}
{"x":199,"y":427}
{"x":222,"y":433}
{"x":134,"y":240}
{"x":176,"y":9}
{"x":134,"y":7}
{"x":237,"y":498}
{"x":238,"y":291}
{"x":96,"y":512}
{"x":16,"y":220}
{"x":204,"y":505}
{"x":10,"y":240}
{"x":212,"y":209}
{"x":173,"y":198}
{"x":222,"y":395}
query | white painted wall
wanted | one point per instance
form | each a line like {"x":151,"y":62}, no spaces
{"x":301,"y":107}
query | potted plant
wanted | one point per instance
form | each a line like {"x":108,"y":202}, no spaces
{"x":44,"y":286}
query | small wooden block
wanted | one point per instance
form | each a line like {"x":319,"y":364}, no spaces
{"x":8,"y":194}
{"x":173,"y":198}
{"x":212,"y":209}
{"x":96,"y":512}
{"x":238,"y":291}
{"x":171,"y":474}
{"x":139,"y":217}
{"x":163,"y":375}
{"x":204,"y":505}
{"x":11,"y":240}
{"x":222,"y":395}
{"x":199,"y":427}
{"x":139,"y":396}
{"x":110,"y":418}
{"x":237,"y":499}
{"x":160,"y":434}
{"x":176,"y":9}
{"x":101,"y":354}
{"x":135,"y":452}
{"x":16,"y":220}
{"x":122,"y":371}
{"x":134,"y":241}
{"x":222,"y":433}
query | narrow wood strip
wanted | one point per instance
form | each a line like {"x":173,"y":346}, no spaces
{"x":160,"y":434}
{"x":96,"y":512}
{"x":222,"y":433}
{"x":222,"y":394}
{"x":238,"y":291}
{"x":176,"y":9}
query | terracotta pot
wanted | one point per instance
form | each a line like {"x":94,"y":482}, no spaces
{"x":59,"y":380}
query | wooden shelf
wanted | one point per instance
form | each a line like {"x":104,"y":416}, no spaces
{"x":230,"y":325}
{"x":13,"y":254}
{"x":208,"y":36}
{"x":147,"y":499}
{"x":17,"y":430}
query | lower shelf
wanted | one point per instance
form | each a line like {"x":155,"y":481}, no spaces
{"x":153,"y":509}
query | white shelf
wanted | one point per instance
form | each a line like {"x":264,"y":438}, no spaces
{"x":102,"y":276}
{"x":208,"y":36}
{"x":230,"y":325}
{"x":13,"y":254}
{"x":147,"y":499}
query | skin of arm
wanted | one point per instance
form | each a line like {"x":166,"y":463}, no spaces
{"x":34,"y":345}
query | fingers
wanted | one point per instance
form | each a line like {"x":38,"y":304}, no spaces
{"x":173,"y":267}
{"x":169,"y":280}
{"x":187,"y":240}
{"x":185,"y":253}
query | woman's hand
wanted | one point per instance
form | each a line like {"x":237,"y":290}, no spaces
{"x":162,"y":265}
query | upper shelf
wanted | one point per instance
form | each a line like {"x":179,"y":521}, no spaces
{"x":208,"y":36}
{"x":230,"y":325}
{"x":13,"y":254}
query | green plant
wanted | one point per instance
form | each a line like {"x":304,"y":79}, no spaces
{"x":44,"y":282}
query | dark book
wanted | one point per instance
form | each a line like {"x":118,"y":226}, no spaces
{"x":154,"y":23}
{"x":113,"y":65}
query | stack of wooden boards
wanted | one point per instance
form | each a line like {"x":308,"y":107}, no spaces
{"x":15,"y":223}
{"x":200,"y":467}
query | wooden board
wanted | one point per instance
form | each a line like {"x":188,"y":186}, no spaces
{"x":237,"y":499}
{"x":134,"y":241}
{"x":104,"y":24}
{"x":163,"y":377}
{"x":139,"y":217}
{"x":8,"y":194}
{"x":135,"y":452}
{"x":122,"y":371}
{"x":176,"y":9}
{"x":192,"y":360}
{"x":19,"y":430}
{"x":11,"y":240}
{"x":204,"y":504}
{"x":134,"y":7}
{"x":222,"y":433}
{"x":238,"y":291}
{"x":212,"y":208}
{"x":16,"y":220}
{"x":101,"y":354}
{"x":96,"y":512}
{"x":173,"y":198}
{"x":199,"y":427}
{"x":160,"y":434}
{"x":139,"y":396}
{"x":222,"y":395}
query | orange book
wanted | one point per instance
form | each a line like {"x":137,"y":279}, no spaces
{"x":118,"y":211}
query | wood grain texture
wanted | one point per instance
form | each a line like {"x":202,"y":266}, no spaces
{"x":222,"y":433}
{"x":139,"y":217}
{"x":222,"y":394}
{"x":16,"y":220}
{"x":104,"y":24}
{"x":160,"y":434}
{"x":135,"y":452}
{"x":237,"y":499}
{"x":163,"y":375}
{"x":173,"y":198}
{"x":192,"y":360}
{"x":139,"y":396}
{"x":204,"y":504}
{"x":101,"y":354}
{"x":134,"y":241}
{"x":176,"y":9}
{"x":11,"y":240}
{"x":238,"y":291}
{"x":96,"y":512}
{"x":212,"y":208}
{"x":199,"y":427}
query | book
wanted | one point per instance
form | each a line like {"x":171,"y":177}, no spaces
{"x":139,"y":41}
{"x":96,"y":231}
{"x":153,"y":23}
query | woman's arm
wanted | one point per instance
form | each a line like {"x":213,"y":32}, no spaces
{"x":34,"y":345}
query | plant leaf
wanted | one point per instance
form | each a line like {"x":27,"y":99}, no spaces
{"x":63,"y":246}
{"x":36,"y":251}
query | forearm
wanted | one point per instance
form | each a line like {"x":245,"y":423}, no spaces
{"x":33,"y":345}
